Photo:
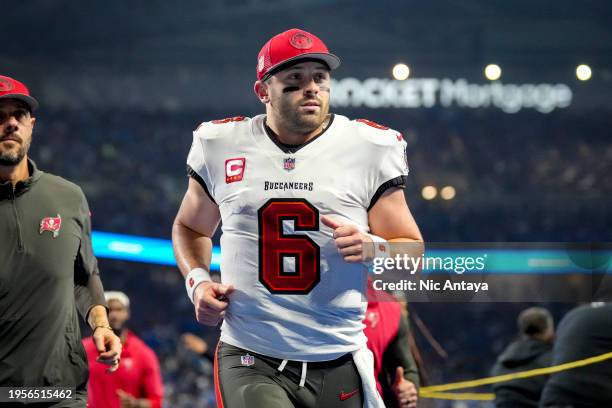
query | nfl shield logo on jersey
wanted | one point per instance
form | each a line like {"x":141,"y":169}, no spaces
{"x":289,"y":163}
{"x":247,"y":360}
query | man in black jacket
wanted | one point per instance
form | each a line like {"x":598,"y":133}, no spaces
{"x":47,"y":271}
{"x":584,"y":332}
{"x":532,"y":350}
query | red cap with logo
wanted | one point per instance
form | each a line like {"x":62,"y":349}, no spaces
{"x":13,"y":89}
{"x":291,"y":46}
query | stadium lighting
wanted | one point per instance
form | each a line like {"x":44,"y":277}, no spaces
{"x":492,"y":72}
{"x":429,"y":192}
{"x":401,"y":72}
{"x":583,"y":72}
{"x":448,"y":193}
{"x":139,"y":249}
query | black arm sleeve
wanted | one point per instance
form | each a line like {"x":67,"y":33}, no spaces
{"x":398,"y":354}
{"x":88,"y":290}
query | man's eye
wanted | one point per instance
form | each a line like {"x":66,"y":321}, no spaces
{"x":20,"y":114}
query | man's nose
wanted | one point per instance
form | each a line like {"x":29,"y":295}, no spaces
{"x":10,"y":122}
{"x":311,"y":86}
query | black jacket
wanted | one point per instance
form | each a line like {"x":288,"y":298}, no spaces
{"x":523,"y":354}
{"x":47,"y":270}
{"x":584,"y":332}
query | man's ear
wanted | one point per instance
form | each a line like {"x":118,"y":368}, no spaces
{"x":32,"y":122}
{"x":261,"y":90}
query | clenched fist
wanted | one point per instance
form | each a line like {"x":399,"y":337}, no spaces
{"x":210,"y":300}
{"x":353,"y":245}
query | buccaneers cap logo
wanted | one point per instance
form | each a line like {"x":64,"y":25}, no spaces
{"x":5,"y":85}
{"x":301,"y":41}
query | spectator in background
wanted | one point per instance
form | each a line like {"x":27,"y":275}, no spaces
{"x":197,"y":345}
{"x":532,"y":350}
{"x":387,"y":330}
{"x":584,"y":332}
{"x":137,"y":383}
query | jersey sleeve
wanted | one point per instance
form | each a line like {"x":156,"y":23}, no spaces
{"x":388,"y":165}
{"x":393,"y":171}
{"x":197,"y":164}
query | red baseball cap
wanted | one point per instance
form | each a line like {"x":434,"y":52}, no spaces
{"x":11,"y":88}
{"x":291,"y":46}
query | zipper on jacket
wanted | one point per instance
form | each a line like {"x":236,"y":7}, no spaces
{"x":19,"y":237}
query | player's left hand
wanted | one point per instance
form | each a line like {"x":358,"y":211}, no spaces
{"x":108,"y":346}
{"x":405,"y":391}
{"x":350,"y":241}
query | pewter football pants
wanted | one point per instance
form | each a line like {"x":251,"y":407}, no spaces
{"x":249,"y":380}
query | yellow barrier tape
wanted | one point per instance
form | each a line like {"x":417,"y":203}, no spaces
{"x":460,"y":396}
{"x":513,"y":376}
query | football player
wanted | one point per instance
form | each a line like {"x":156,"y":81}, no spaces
{"x":304,"y":197}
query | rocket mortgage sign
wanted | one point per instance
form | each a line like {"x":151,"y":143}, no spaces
{"x":431,"y":92}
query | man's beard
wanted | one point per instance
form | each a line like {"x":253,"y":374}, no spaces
{"x":12,"y":157}
{"x":301,"y":123}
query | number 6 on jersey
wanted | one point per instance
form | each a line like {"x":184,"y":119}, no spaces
{"x":276,"y":248}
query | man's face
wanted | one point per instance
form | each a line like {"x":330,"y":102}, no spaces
{"x":118,"y":314}
{"x":16,"y":126}
{"x":299,"y":96}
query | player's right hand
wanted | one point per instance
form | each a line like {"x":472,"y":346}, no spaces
{"x":210,"y":301}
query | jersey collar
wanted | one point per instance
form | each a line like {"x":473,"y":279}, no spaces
{"x":289,"y":149}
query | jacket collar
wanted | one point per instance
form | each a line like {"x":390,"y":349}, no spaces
{"x":6,"y":188}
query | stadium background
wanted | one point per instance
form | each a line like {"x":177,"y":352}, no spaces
{"x":123,"y":84}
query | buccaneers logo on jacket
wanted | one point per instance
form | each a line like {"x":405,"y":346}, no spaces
{"x":52,"y":224}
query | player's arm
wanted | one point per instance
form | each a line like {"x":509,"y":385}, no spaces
{"x":195,"y":224}
{"x":390,"y":221}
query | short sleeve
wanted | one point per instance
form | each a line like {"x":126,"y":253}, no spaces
{"x":196,"y":164}
{"x":390,"y":168}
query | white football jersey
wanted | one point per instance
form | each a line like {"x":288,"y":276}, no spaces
{"x":295,"y":298}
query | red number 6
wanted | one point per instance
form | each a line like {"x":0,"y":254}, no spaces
{"x":275,"y":245}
